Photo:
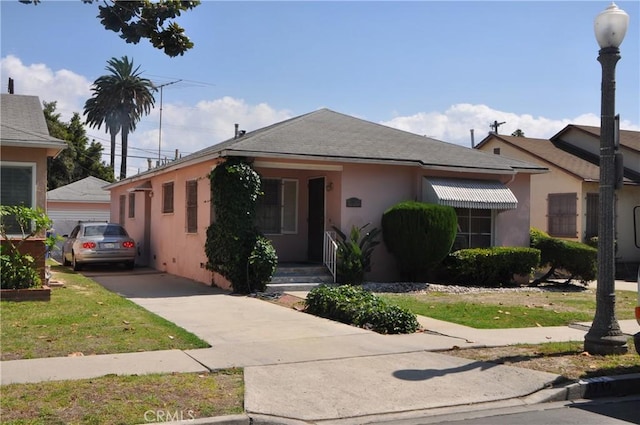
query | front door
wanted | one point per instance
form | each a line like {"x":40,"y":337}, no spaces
{"x":315,"y":235}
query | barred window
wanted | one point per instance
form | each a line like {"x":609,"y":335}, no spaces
{"x":18,"y":181}
{"x":277,"y":209}
{"x":123,"y":202}
{"x":167,"y":197}
{"x":192,"y":206}
{"x":132,"y":205}
{"x":561,"y":214}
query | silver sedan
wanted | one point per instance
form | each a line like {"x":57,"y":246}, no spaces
{"x":98,"y":242}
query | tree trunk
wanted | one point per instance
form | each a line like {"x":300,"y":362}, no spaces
{"x":113,"y":151}
{"x":123,"y":162}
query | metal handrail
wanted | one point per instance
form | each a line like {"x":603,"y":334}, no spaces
{"x":329,"y":252}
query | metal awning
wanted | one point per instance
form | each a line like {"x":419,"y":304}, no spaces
{"x":476,"y":194}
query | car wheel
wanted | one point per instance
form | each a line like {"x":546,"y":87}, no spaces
{"x":76,"y":266}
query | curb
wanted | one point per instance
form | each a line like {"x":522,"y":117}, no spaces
{"x":590,"y":388}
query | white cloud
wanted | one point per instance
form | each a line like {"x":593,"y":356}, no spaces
{"x":454,"y":124}
{"x":191,"y":127}
{"x":68,"y":89}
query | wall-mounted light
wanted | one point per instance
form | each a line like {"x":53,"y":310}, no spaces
{"x":329,"y":186}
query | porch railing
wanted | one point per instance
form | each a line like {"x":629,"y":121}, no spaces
{"x":329,"y":252}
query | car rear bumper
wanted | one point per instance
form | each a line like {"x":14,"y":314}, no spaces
{"x":105,"y":257}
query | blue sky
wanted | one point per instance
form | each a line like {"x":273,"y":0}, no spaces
{"x":430,"y":67}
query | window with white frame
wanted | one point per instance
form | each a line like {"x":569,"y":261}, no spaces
{"x":17,"y":188}
{"x":475,"y":228}
{"x":277,"y":209}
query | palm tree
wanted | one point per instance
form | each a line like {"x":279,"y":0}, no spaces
{"x":97,"y":115}
{"x":119,"y":100}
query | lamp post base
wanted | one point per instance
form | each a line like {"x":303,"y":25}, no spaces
{"x":605,"y":344}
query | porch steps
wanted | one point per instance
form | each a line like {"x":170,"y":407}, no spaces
{"x":298,"y":277}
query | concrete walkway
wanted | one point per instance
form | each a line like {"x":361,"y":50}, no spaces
{"x":299,"y":367}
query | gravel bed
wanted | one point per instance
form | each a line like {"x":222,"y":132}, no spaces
{"x":402,"y":287}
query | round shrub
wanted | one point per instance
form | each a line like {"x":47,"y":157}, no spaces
{"x":419,"y":235}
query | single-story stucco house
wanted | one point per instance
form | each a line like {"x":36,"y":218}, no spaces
{"x":320,"y":170}
{"x":565,"y":200}
{"x":25,"y":145}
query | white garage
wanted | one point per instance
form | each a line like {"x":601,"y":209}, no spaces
{"x":83,"y":200}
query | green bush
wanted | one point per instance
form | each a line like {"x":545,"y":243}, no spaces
{"x":577,"y":259}
{"x":17,"y":270}
{"x":234,"y":247}
{"x":356,"y":306}
{"x":492,"y":266}
{"x":419,"y":235}
{"x":354,"y":254}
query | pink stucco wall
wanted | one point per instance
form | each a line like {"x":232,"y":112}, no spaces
{"x":32,"y":156}
{"x":169,"y":248}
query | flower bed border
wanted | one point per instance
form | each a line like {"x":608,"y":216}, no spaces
{"x":32,"y":294}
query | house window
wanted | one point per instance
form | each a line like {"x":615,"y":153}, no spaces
{"x":277,"y":209}
{"x":562,"y":214}
{"x":593,"y":212}
{"x":167,"y":198}
{"x":123,"y":202}
{"x":474,"y":228}
{"x":192,"y":206}
{"x":132,"y":205}
{"x":18,"y":183}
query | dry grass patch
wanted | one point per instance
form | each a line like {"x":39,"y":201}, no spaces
{"x":124,"y":399}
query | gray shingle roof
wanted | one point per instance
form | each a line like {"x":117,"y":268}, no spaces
{"x":23,"y":124}
{"x":628,"y":138}
{"x":89,"y":189}
{"x":331,"y":136}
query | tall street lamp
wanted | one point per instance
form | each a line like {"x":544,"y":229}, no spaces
{"x":605,"y":336}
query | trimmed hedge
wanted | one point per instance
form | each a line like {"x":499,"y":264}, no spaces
{"x":492,"y":266}
{"x":355,"y":306}
{"x":419,"y":235}
{"x":576,"y":258}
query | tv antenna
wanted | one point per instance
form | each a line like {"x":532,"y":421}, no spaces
{"x":494,"y":126}
{"x":161,"y":86}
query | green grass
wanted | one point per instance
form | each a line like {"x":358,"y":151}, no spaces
{"x":83,"y":317}
{"x":511,"y":310}
{"x":124,"y":399}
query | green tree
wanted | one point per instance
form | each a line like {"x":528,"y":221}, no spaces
{"x":80,"y":159}
{"x":97,"y":114}
{"x":518,"y":133}
{"x":135,"y":20}
{"x":122,"y":95}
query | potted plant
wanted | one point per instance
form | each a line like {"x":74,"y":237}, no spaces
{"x":23,"y":244}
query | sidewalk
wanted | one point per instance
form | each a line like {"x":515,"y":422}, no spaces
{"x":304,"y":368}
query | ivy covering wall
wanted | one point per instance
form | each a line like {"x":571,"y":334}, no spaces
{"x":235,"y":248}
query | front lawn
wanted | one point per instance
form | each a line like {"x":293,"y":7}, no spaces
{"x":125,"y":399}
{"x":83,"y":317}
{"x":511,"y":309}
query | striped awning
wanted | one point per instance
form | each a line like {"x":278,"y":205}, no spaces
{"x":476,"y":194}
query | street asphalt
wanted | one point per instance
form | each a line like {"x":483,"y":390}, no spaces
{"x":299,"y":368}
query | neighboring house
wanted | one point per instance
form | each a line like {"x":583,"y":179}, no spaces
{"x":82,"y":200}
{"x":565,"y":201}
{"x":320,"y":170}
{"x":25,"y":145}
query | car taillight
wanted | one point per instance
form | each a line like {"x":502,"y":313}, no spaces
{"x":88,"y":245}
{"x":128,"y":244}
